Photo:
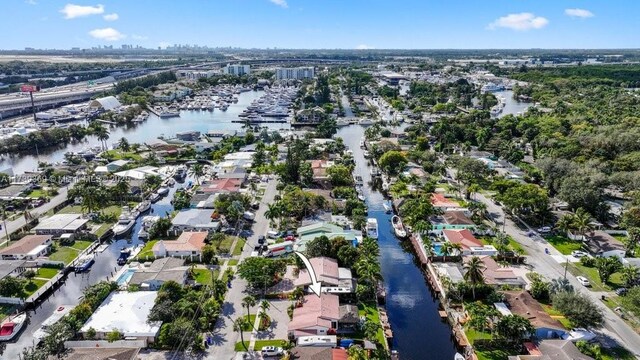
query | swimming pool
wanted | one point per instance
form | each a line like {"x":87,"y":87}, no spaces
{"x":125,"y":276}
{"x":437,"y":249}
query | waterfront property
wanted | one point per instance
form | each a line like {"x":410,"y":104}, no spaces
{"x":552,"y":349}
{"x":188,"y":245}
{"x":499,"y":275}
{"x":59,"y":224}
{"x":469,"y":244}
{"x":451,"y":220}
{"x":334,"y":279}
{"x":318,"y":315}
{"x":159,"y":272}
{"x":30,"y":247}
{"x":126,"y":312}
{"x":523,"y":304}
{"x":194,"y":220}
{"x":310,"y":232}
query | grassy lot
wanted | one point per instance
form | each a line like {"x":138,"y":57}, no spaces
{"x":248,"y":325}
{"x":613,"y":302}
{"x":32,"y":286}
{"x":563,"y":244}
{"x":556,"y":315}
{"x":225,"y":244}
{"x":64,"y":254}
{"x":103,"y":229}
{"x":488,"y":240}
{"x":237,"y":251}
{"x":47,"y":273}
{"x":147,"y":250}
{"x":232,"y":262}
{"x":370,"y":311}
{"x":117,"y":154}
{"x":202,"y":276}
{"x":77,"y":209}
{"x":493,"y":354}
{"x":81,"y":244}
{"x":260,"y":344}
{"x":591,"y":273}
{"x":37,"y":193}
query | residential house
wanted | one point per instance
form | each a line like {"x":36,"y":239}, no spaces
{"x":451,"y":220}
{"x":159,"y":272}
{"x":194,"y":220}
{"x":552,"y":350}
{"x":311,"y":115}
{"x":218,"y":186}
{"x":470,"y":245}
{"x":102,"y":353}
{"x":29,"y":247}
{"x":310,"y":232}
{"x":188,"y":245}
{"x":203,"y":201}
{"x":237,"y":173}
{"x":11,"y":268}
{"x":116,"y":165}
{"x":319,"y":353}
{"x":319,"y":168}
{"x":140,"y":173}
{"x":523,"y":304}
{"x":599,"y":243}
{"x":15,"y":190}
{"x":126,"y":312}
{"x":318,"y":315}
{"x":439,"y":201}
{"x":334,"y":279}
{"x":59,"y":224}
{"x":191,"y":135}
{"x":496,"y":275}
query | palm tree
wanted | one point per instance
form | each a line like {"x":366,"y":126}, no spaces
{"x":472,"y":189}
{"x":445,"y":250}
{"x":123,"y":144}
{"x":121,"y":189}
{"x":630,"y":275}
{"x":249,"y":301}
{"x":264,"y":318}
{"x":273,"y":212}
{"x":582,"y":221}
{"x":103,"y":135}
{"x":560,"y":285}
{"x":474,"y":274}
{"x":239,"y":325}
{"x":565,"y":224}
{"x":197,"y":170}
{"x":421,"y":227}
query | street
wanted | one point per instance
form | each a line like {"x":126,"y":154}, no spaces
{"x":546,"y":265}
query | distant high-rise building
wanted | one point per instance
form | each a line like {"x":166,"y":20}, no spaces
{"x":237,"y":69}
{"x":298,"y":73}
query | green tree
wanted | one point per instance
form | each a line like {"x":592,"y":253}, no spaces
{"x":630,"y":275}
{"x":238,"y":326}
{"x":114,"y":335}
{"x":578,"y":309}
{"x":340,"y":175}
{"x":123,"y":144}
{"x":513,"y":328}
{"x":197,"y":170}
{"x":248,"y":302}
{"x":474,"y":273}
{"x":606,"y":267}
{"x":392,"y":162}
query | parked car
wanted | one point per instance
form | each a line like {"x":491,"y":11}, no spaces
{"x":271,"y":351}
{"x":578,"y":253}
{"x":583,"y":281}
{"x":261,"y":239}
{"x":272,"y":234}
{"x":544,"y":230}
{"x":621,"y":291}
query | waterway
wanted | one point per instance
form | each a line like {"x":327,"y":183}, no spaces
{"x":511,"y":106}
{"x":411,"y":305}
{"x":154,"y":127}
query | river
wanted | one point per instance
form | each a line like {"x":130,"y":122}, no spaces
{"x":511,"y":105}
{"x":418,"y":332}
{"x":202,"y":121}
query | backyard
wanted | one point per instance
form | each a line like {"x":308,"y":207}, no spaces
{"x":64,"y":254}
{"x":591,"y":273}
{"x":260,"y":344}
{"x":47,"y":273}
{"x":147,"y":250}
{"x":370,"y":311}
{"x":564,"y":244}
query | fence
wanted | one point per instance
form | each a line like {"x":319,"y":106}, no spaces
{"x":11,"y":300}
{"x":118,"y":344}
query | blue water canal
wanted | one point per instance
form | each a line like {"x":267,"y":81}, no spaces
{"x":418,"y":332}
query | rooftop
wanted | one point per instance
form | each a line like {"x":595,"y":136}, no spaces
{"x":316,"y":311}
{"x":188,"y":241}
{"x":601,"y":242}
{"x":25,"y":245}
{"x":127,"y":312}
{"x":523,"y":304}
{"x":463,"y":237}
{"x":194,"y":217}
{"x":164,"y":269}
{"x":62,"y":222}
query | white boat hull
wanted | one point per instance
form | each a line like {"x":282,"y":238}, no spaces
{"x":122,"y":229}
{"x":18,"y":322}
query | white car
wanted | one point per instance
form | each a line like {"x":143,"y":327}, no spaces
{"x":271,"y":351}
{"x":579,"y":254}
{"x":583,"y":281}
{"x":544,"y":230}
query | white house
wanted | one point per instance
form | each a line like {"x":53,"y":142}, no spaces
{"x":188,"y":245}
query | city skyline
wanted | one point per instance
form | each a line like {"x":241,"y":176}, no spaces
{"x":304,"y":24}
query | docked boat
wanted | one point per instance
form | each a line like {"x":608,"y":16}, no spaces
{"x":366,"y":154}
{"x":458,"y":356}
{"x":124,"y":255}
{"x":143,"y":206}
{"x":168,"y":114}
{"x":154,"y":197}
{"x":358,"y":180}
{"x":57,"y":315}
{"x":124,"y":224}
{"x":365,"y":122}
{"x":11,"y":326}
{"x":84,"y":263}
{"x":398,"y":228}
{"x":162,"y":191}
{"x":372,"y":228}
{"x":387,"y":207}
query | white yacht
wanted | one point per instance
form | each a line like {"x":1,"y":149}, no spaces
{"x":162,"y":191}
{"x":143,"y":206}
{"x":366,"y":122}
{"x":58,"y":314}
{"x":372,"y":228}
{"x":398,"y":228}
{"x":169,"y":113}
{"x":124,"y":224}
{"x":11,"y":326}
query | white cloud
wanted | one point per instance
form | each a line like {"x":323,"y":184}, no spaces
{"x":111,"y":17}
{"x":108,"y":34}
{"x":72,"y":11}
{"x":581,"y":13}
{"x":31,"y":2}
{"x":520,"y":22}
{"x":364,"y":47}
{"x":281,"y":3}
{"x":139,"y":37}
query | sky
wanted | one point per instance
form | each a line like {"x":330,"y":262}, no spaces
{"x":322,"y":24}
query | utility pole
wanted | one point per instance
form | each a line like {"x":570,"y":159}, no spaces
{"x":33,"y":105}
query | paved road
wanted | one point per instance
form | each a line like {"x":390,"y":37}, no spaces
{"x":225,"y":337}
{"x":15,"y":225}
{"x":550,"y":268}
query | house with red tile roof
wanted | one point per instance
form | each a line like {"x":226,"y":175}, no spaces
{"x":188,"y":245}
{"x":442,"y":202}
{"x":470,"y":245}
{"x":334,"y":279}
{"x":318,"y":315}
{"x":496,"y":275}
{"x":218,"y":186}
{"x":29,"y":247}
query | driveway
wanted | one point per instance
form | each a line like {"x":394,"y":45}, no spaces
{"x":279,"y":321}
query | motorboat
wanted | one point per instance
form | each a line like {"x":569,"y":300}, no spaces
{"x":168,"y":114}
{"x":372,"y":228}
{"x":124,"y":255}
{"x":124,"y":224}
{"x":143,"y":206}
{"x":358,"y":180}
{"x":11,"y":326}
{"x":398,"y":228}
{"x":84,"y":263}
{"x":154,"y":197}
{"x":58,"y":314}
{"x":365,"y":122}
{"x":458,"y":356}
{"x":162,"y":191}
{"x":147,"y":223}
{"x":387,"y":207}
{"x":366,"y":154}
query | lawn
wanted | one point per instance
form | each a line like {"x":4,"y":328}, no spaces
{"x":122,"y":155}
{"x":147,"y":250}
{"x":514,"y":245}
{"x":248,"y":325}
{"x":564,"y":244}
{"x":370,"y":311}
{"x":32,"y":286}
{"x":47,"y":273}
{"x":260,"y":344}
{"x":77,"y":209}
{"x":37,"y":193}
{"x":493,"y":354}
{"x":103,"y":229}
{"x":81,"y":244}
{"x":237,"y":251}
{"x":232,"y":262}
{"x":591,"y":273}
{"x":225,"y":244}
{"x":64,"y":254}
{"x":202,"y":276}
